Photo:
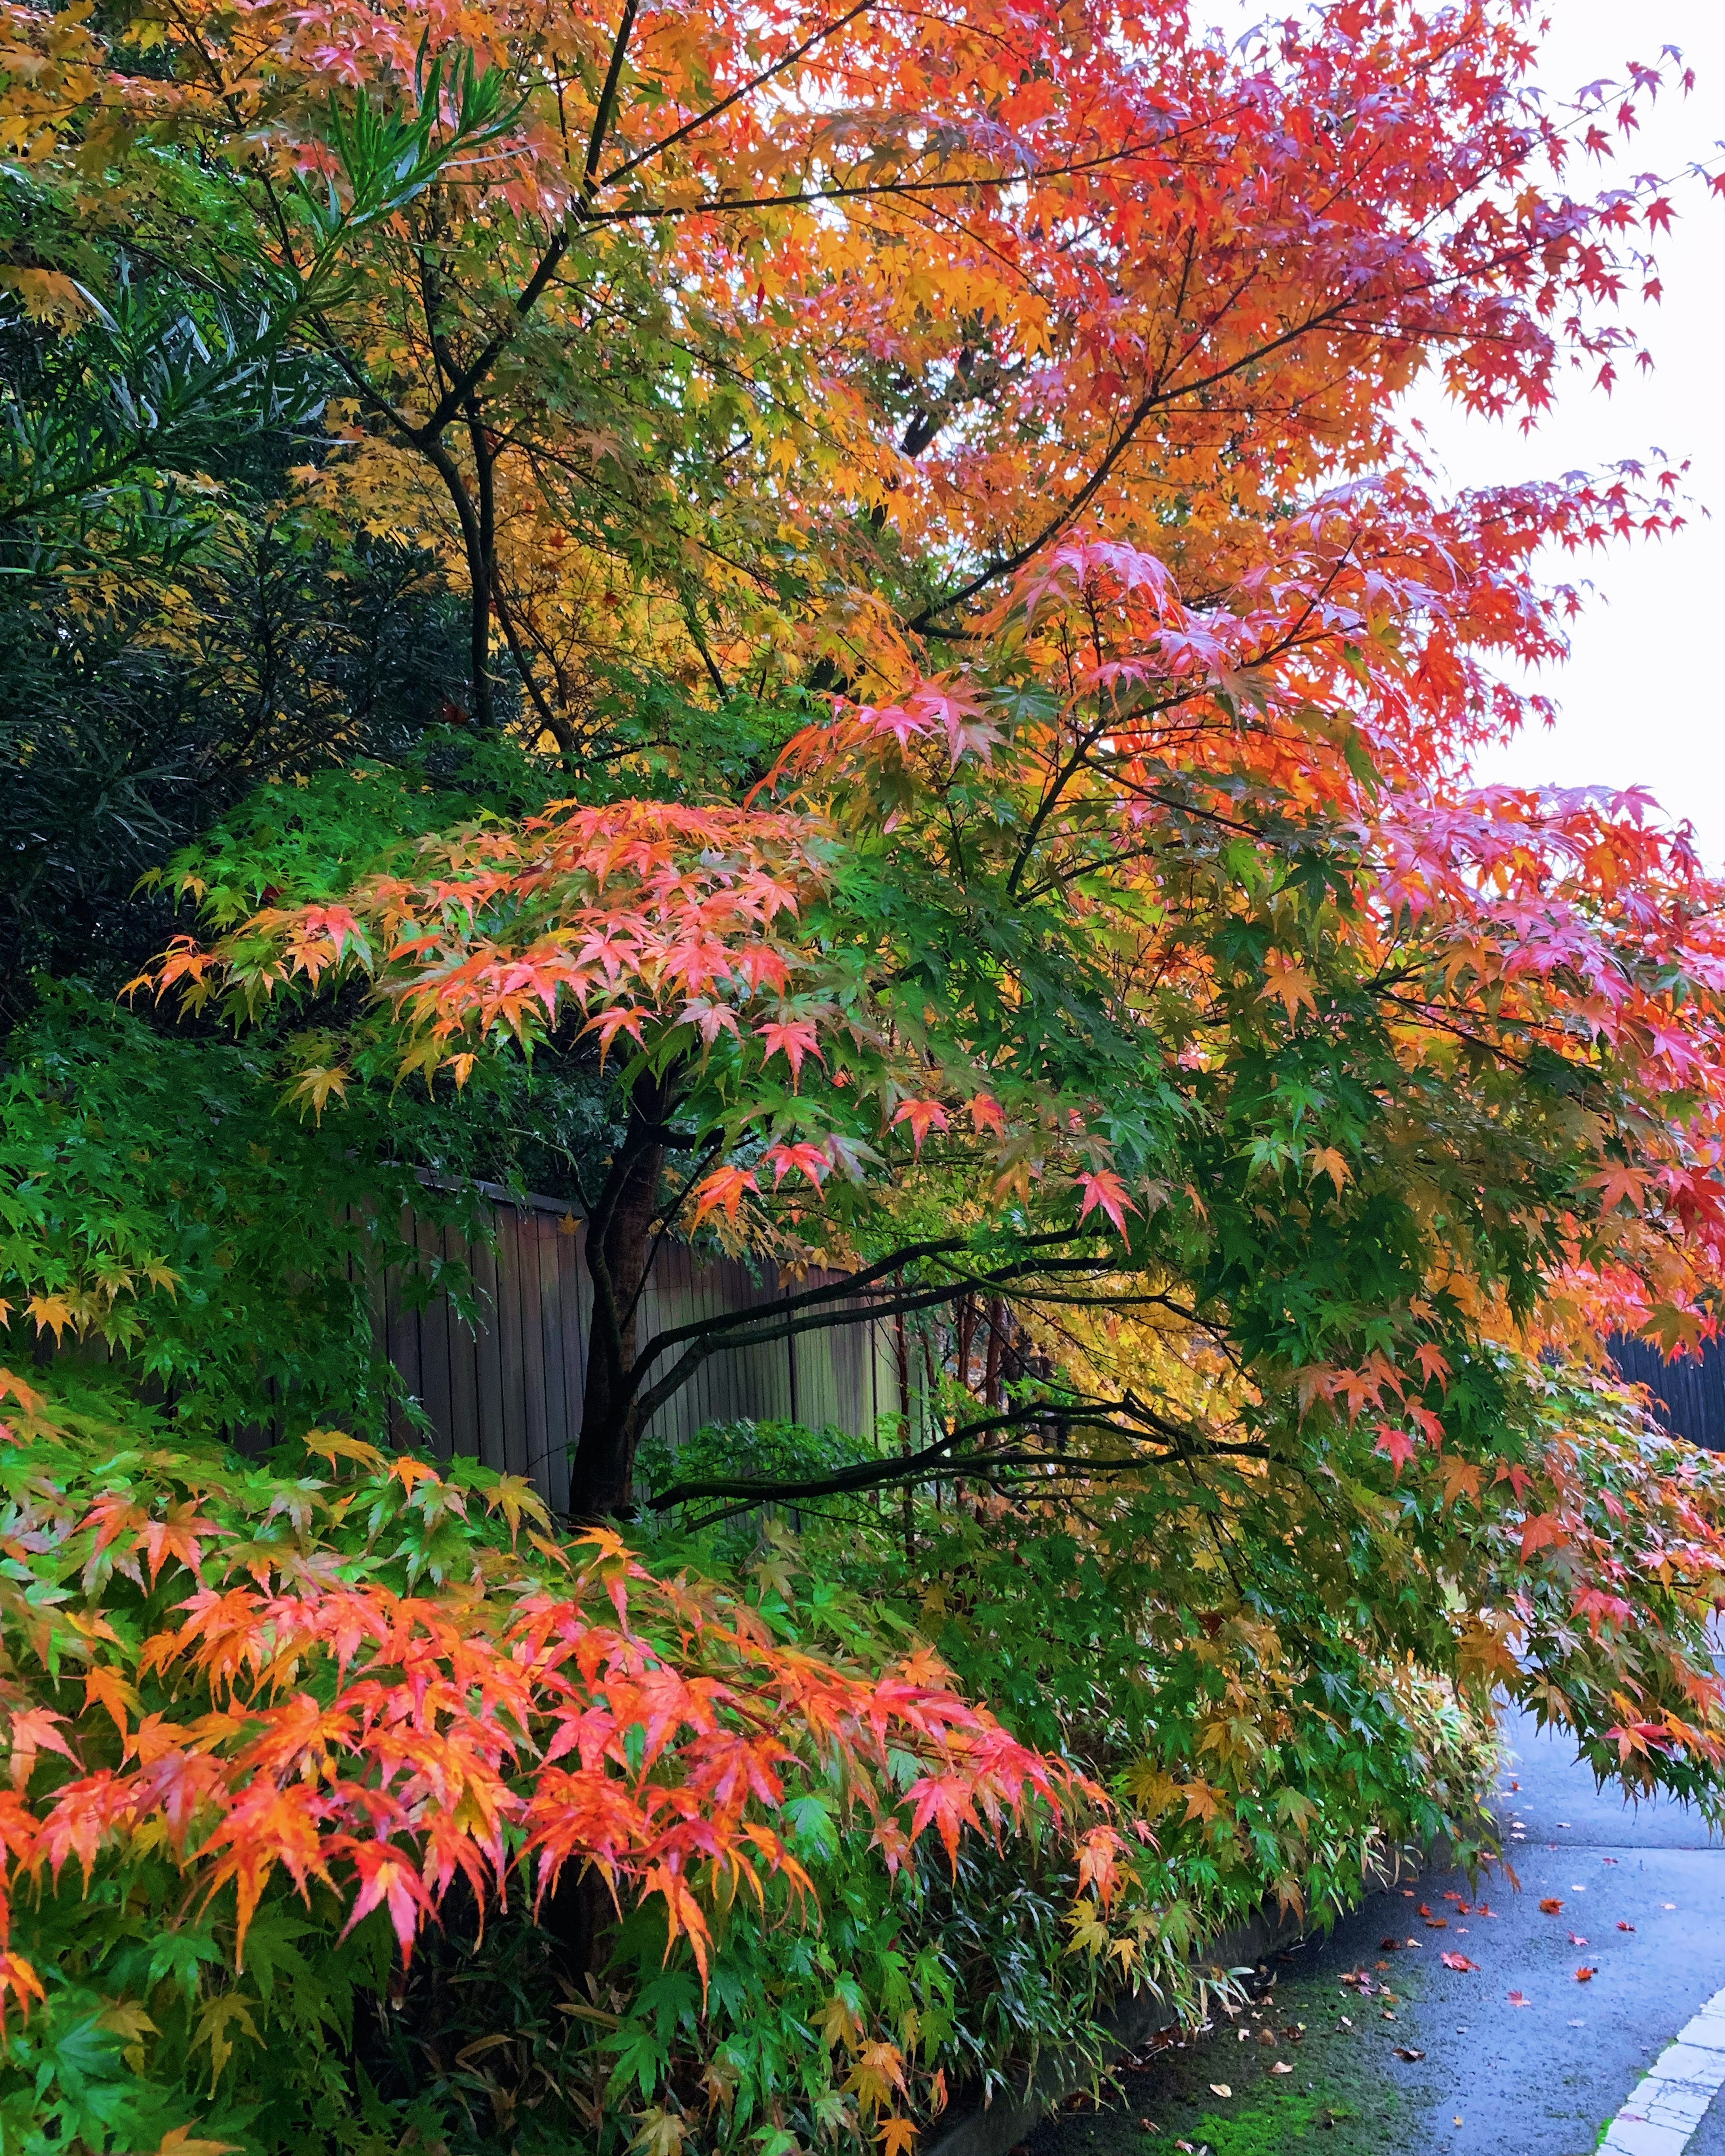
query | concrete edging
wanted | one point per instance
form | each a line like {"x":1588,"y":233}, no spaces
{"x":992,"y":2129}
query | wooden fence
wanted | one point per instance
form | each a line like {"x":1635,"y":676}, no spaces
{"x":509,"y":1392}
{"x":1688,"y":1396}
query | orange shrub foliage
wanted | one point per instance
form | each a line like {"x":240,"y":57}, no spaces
{"x":261,"y":1677}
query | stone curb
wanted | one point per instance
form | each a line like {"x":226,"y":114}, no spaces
{"x":992,"y":2129}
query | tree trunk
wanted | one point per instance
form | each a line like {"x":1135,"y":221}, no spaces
{"x":476,"y":540}
{"x":482,"y":568}
{"x":992,"y":1389}
{"x":619,"y":1249}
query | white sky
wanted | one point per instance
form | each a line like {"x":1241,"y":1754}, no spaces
{"x":1642,"y":699}
{"x":1643,"y":696}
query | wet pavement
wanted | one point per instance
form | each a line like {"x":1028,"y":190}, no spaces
{"x":1515,"y":2056}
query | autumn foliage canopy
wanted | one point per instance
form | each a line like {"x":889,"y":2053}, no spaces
{"x":931,"y":496}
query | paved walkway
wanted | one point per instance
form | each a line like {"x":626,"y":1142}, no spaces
{"x":1541,"y":2080}
{"x":1643,"y":1888}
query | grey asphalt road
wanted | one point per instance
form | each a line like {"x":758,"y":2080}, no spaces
{"x":1541,"y":2080}
{"x":1643,"y":1887}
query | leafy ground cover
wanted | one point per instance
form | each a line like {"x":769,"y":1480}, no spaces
{"x":1345,"y":2091}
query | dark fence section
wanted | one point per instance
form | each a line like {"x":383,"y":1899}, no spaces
{"x":509,"y":1392}
{"x":1688,"y":1396}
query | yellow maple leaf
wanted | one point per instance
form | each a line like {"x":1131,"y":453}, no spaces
{"x":334,"y":1444}
{"x":1090,"y":1934}
{"x":1151,"y":1788}
{"x":1288,"y":983}
{"x":128,"y":2020}
{"x":51,"y":1313}
{"x":1325,"y":1160}
{"x":514,"y":1496}
{"x":49,"y":296}
{"x":214,"y":2019}
{"x":660,"y":2132}
{"x":878,"y":2071}
{"x":838,"y":2025}
{"x":316,"y":1086}
{"x":181,"y":2140}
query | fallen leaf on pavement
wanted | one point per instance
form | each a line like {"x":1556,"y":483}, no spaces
{"x":1282,"y":2066}
{"x":1623,"y":1927}
{"x":1550,"y":1906}
{"x":1585,"y":1975}
{"x":1518,"y":1999}
{"x":1407,"y":2051}
{"x":1221,"y":2088}
{"x":1576,"y":1939}
{"x":1389,"y":1946}
{"x":1668,"y":1905}
{"x":1424,"y":1911}
{"x":1458,"y":1961}
{"x":1437,"y":1923}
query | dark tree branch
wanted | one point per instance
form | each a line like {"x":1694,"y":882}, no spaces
{"x":940,"y":1461}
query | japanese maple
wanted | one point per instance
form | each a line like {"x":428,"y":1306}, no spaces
{"x":1087,"y":906}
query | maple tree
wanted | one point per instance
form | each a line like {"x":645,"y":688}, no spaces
{"x":1146,"y":328}
{"x":931,"y":491}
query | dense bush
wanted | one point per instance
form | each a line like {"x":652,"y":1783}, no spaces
{"x":266,"y":1725}
{"x":266,"y":1722}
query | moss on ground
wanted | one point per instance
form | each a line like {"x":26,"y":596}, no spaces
{"x":1348,"y":2093}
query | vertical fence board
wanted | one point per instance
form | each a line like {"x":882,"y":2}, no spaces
{"x":487,"y":1360}
{"x":463,"y":1433}
{"x":511,"y":1458}
{"x":572,"y":1314}
{"x":509,"y":1390}
{"x":1688,"y":1396}
{"x":548,"y":1316}
{"x":437,"y":1321}
{"x":400,"y":1336}
{"x":533,"y":1424}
